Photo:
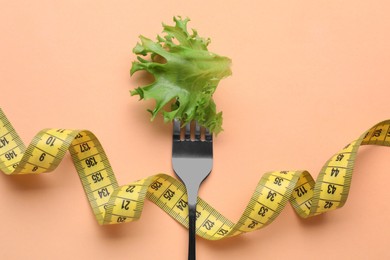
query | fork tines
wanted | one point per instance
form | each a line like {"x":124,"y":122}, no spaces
{"x":190,"y":132}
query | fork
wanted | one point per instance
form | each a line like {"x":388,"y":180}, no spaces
{"x":192,"y":161}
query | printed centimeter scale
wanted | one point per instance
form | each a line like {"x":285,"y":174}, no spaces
{"x":113,"y":204}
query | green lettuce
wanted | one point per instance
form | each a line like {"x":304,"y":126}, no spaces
{"x":186,"y":75}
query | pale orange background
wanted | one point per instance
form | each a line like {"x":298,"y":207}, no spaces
{"x":308,"y":78}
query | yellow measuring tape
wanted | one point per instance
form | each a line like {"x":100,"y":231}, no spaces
{"x":114,"y":204}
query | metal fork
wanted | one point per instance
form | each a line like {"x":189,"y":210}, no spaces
{"x":192,"y":161}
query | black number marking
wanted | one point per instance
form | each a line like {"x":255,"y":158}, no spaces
{"x":50,"y":140}
{"x":328,"y":205}
{"x":42,"y":157}
{"x":79,"y":135}
{"x":377,"y":133}
{"x":271,"y":195}
{"x":253,"y":224}
{"x":334,"y":172}
{"x":339,"y":157}
{"x":308,"y":204}
{"x":181,"y":204}
{"x":222,"y":232}
{"x":169,"y":194}
{"x":208,"y":224}
{"x":84,"y":147}
{"x":121,"y":219}
{"x":301,"y":191}
{"x":10,"y":155}
{"x":263,"y":210}
{"x":3,"y":142}
{"x":90,"y":162}
{"x":331,"y":189}
{"x":156,"y":185}
{"x":103,"y":193}
{"x":97,"y":177}
{"x":130,"y":189}
{"x":125,"y":204}
{"x":278,"y":181}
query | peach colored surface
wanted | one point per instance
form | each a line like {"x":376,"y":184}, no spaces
{"x":308,"y":78}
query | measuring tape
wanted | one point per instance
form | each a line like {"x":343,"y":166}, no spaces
{"x":113,"y":204}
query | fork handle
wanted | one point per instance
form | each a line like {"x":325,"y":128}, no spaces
{"x":192,"y":193}
{"x":192,"y":232}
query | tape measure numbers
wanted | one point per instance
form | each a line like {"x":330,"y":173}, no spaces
{"x":113,"y":204}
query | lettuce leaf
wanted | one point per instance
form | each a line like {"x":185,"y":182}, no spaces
{"x":186,"y":75}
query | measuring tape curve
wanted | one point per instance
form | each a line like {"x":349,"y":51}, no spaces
{"x":112,"y":204}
